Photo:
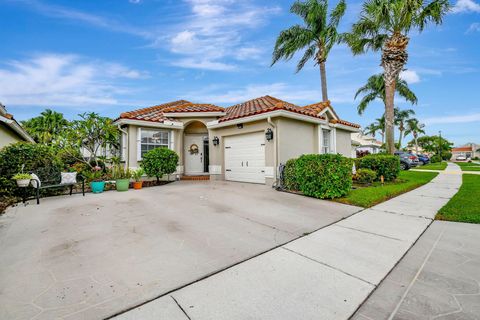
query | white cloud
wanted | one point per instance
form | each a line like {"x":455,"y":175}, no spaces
{"x":135,"y":1}
{"x":410,"y":76}
{"x":466,"y":6}
{"x":293,"y":94}
{"x":214,"y":32}
{"x":474,"y":27}
{"x":63,"y":80}
{"x":475,"y":117}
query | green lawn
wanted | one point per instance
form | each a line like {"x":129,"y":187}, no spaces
{"x":465,"y":205}
{"x":433,"y":166}
{"x":466,"y":166}
{"x":376,"y":193}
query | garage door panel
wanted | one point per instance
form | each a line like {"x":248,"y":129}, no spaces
{"x":245,"y":158}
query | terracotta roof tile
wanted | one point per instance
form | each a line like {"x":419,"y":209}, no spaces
{"x":320,"y":106}
{"x":193,"y":107}
{"x":262,"y":105}
{"x":154,"y":113}
{"x":460,"y":149}
{"x":345,"y":123}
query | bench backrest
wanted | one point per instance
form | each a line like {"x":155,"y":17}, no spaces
{"x":49,"y":175}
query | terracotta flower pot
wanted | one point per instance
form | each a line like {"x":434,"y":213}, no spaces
{"x":137,"y":185}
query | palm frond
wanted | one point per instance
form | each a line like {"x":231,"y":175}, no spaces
{"x":309,"y":53}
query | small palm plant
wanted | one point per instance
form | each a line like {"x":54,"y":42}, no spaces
{"x":375,"y":89}
{"x":316,"y":36}
{"x":385,"y":25}
{"x":401,"y":117}
{"x":414,"y":127}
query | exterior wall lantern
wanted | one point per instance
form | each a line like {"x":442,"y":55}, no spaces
{"x":269,"y":134}
{"x":216,"y":141}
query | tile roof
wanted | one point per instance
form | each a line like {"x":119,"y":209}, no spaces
{"x":262,"y":105}
{"x":462,"y":149}
{"x":241,"y":110}
{"x":194,"y":107}
{"x":156,"y":113}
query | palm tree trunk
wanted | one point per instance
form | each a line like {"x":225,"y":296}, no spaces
{"x":400,"y":136}
{"x":416,"y":143}
{"x":323,"y":78}
{"x":389,"y":116}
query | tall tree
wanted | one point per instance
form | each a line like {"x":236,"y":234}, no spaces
{"x":385,"y":25}
{"x":317,"y":36}
{"x":414,"y":127}
{"x":401,"y":117}
{"x":375,"y":89}
{"x":377,"y":126}
{"x":46,"y":127}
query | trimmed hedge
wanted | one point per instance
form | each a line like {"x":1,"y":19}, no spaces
{"x":289,"y":176}
{"x":384,"y":165}
{"x":324,"y":176}
{"x":435,"y":159}
{"x":365,"y":176}
{"x":159,"y":162}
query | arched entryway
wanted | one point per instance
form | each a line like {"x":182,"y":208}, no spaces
{"x":196,"y":150}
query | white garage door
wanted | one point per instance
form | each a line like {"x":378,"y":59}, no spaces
{"x":245,"y":158}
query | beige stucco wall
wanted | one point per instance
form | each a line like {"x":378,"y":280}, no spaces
{"x":344,"y":142}
{"x":296,"y":138}
{"x":7,"y":136}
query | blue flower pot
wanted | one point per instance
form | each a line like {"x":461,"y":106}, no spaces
{"x":97,"y":186}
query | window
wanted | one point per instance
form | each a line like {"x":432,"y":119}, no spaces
{"x":151,"y":139}
{"x":326,"y":141}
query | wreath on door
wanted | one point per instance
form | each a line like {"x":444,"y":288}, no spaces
{"x":193,"y":149}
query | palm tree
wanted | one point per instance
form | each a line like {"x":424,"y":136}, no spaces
{"x":317,"y":35}
{"x":401,"y":117}
{"x":414,"y":127}
{"x":46,"y":127}
{"x":378,"y":125}
{"x":384,"y":25}
{"x":375,"y":89}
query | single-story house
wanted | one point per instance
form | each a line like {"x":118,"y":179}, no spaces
{"x":470,"y":151}
{"x":10,"y":130}
{"x":246,"y":142}
{"x":364,"y":142}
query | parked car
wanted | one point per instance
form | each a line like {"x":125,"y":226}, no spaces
{"x":423,"y":159}
{"x":406,"y":160}
{"x":461,"y":158}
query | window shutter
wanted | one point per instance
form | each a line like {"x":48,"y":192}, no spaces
{"x":139,"y":144}
{"x":171,"y":140}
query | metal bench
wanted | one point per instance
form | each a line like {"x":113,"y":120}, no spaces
{"x":51,"y":178}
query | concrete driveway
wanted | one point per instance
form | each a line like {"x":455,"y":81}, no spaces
{"x":94,"y":256}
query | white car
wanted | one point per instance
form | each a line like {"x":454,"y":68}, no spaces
{"x":461,"y":158}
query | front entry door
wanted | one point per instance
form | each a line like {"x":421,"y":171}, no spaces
{"x":194,"y":154}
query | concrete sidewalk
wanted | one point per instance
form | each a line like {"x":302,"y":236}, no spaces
{"x":325,"y":275}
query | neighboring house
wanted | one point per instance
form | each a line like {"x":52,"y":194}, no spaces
{"x":470,"y":150}
{"x":246,"y":142}
{"x":364,"y":142}
{"x":10,"y":130}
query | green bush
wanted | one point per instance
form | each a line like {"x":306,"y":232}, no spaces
{"x":159,"y":162}
{"x":384,"y":165}
{"x":32,"y":157}
{"x":435,"y":158}
{"x":446,"y":155}
{"x":324,"y":176}
{"x":289,"y":176}
{"x":365,"y":176}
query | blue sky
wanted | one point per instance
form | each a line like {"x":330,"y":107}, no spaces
{"x":111,"y":56}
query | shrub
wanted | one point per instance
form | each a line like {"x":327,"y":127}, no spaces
{"x":362,"y":153}
{"x":289,"y":176}
{"x":446,"y":155}
{"x":365,"y":176}
{"x":435,"y":158}
{"x":32,"y":157}
{"x":159,"y":162}
{"x":324,"y":175}
{"x":384,"y":165}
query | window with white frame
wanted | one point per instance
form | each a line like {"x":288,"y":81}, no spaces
{"x":326,"y":141}
{"x":151,"y":139}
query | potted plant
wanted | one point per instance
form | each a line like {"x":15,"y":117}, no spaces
{"x":23,"y":179}
{"x":96,"y":178}
{"x":137,"y":175}
{"x":122,"y":177}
